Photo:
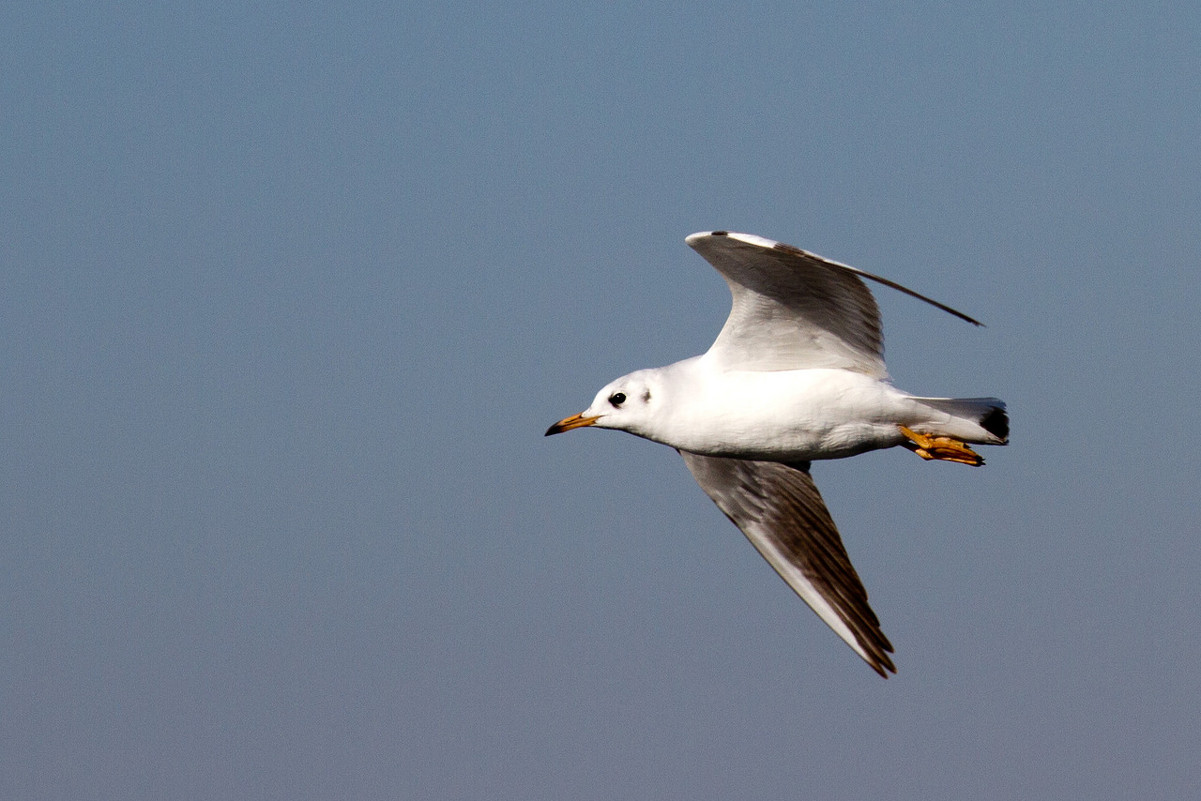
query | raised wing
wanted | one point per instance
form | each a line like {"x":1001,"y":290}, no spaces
{"x":779,"y":509}
{"x":794,"y":310}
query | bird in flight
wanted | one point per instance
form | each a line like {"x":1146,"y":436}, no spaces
{"x":797,"y":374}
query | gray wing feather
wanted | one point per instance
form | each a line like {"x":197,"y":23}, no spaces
{"x":778,"y":508}
{"x":793,"y":309}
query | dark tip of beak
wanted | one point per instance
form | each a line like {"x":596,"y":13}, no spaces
{"x":568,"y":423}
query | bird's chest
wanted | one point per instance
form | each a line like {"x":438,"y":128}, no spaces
{"x":783,"y":416}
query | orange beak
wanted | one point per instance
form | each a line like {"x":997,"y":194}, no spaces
{"x":568,"y":423}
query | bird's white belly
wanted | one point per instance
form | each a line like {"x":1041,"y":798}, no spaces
{"x":789,"y":415}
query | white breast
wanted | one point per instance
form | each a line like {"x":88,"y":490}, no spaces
{"x":790,"y":415}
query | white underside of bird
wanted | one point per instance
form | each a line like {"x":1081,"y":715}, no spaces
{"x":796,"y":375}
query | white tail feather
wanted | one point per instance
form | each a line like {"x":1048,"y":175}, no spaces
{"x":979,"y":420}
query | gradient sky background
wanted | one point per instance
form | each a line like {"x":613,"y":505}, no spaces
{"x":290,"y":292}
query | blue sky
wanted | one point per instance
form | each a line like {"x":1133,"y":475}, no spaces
{"x":290,"y":293}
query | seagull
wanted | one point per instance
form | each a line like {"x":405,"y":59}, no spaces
{"x":796,"y":374}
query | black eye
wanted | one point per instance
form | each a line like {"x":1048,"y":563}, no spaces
{"x":617,"y":398}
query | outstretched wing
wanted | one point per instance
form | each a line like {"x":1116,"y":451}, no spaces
{"x":794,"y":310}
{"x":779,"y":509}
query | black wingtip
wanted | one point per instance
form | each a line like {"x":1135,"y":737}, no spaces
{"x":880,"y":661}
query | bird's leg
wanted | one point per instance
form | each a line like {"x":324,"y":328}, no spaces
{"x":944,"y":448}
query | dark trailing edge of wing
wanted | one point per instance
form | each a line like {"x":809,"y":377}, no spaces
{"x":880,"y":279}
